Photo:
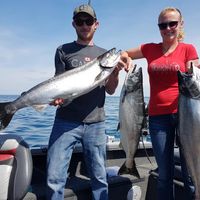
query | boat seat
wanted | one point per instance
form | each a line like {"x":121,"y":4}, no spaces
{"x":15,"y":167}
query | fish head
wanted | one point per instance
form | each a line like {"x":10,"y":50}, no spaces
{"x":110,"y":59}
{"x":133,"y":79}
{"x":189,"y":83}
{"x":106,"y":64}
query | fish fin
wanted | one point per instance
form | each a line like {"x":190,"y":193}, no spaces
{"x":133,"y":171}
{"x":98,"y":77}
{"x":39,"y":108}
{"x":123,"y":98}
{"x":23,"y":93}
{"x":4,"y":117}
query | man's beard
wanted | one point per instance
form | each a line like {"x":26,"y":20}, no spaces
{"x":85,"y":38}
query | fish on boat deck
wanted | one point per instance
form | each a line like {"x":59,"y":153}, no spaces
{"x":189,"y":122}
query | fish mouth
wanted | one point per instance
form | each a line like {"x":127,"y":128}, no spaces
{"x":188,"y":86}
{"x":110,"y":59}
{"x":182,"y":83}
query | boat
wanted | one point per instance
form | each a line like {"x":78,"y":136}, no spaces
{"x":28,"y":174}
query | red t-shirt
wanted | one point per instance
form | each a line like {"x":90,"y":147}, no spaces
{"x":163,"y":75}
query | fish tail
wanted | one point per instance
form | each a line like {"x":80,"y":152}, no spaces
{"x":5,"y":118}
{"x":133,"y":171}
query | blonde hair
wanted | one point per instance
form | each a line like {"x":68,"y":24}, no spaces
{"x":181,"y":34}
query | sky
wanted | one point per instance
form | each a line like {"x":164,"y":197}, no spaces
{"x":31,"y":30}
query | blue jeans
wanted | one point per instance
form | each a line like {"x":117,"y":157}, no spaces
{"x":162,"y":129}
{"x":65,"y":135}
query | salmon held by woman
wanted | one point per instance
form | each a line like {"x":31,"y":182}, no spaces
{"x":131,"y":118}
{"x":189,"y":121}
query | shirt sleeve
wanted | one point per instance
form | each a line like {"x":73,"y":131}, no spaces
{"x":147,"y":49}
{"x":59,"y":62}
{"x":191,"y":53}
{"x":143,"y":49}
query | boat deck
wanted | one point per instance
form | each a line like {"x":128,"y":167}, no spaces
{"x":78,"y":187}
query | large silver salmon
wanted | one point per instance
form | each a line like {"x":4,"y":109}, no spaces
{"x":189,"y":123}
{"x":68,"y":85}
{"x":131,"y":118}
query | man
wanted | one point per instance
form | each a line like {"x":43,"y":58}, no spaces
{"x":83,"y":119}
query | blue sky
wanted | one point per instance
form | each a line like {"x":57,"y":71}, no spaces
{"x":31,"y":30}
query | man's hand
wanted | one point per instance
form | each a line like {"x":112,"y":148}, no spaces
{"x":57,"y":102}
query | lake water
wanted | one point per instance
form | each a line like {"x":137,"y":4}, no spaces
{"x":35,"y":127}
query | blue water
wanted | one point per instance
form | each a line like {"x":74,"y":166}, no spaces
{"x":35,"y":127}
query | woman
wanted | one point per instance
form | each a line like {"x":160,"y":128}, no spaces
{"x":164,"y":59}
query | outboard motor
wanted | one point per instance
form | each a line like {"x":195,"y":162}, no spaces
{"x":15,"y":167}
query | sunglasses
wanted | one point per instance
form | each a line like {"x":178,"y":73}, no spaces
{"x":172,"y":24}
{"x":88,"y":21}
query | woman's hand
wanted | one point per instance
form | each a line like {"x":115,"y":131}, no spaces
{"x":125,"y":61}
